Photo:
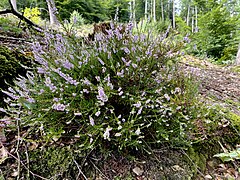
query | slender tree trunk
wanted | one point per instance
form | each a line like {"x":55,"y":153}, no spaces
{"x":188,"y":13}
{"x":130,"y":11}
{"x":173,"y":14}
{"x":134,"y":12}
{"x":14,"y":4}
{"x":237,"y":61}
{"x":196,"y":19}
{"x":146,"y":9}
{"x":52,"y":11}
{"x":162,"y":10}
{"x":151,"y":9}
{"x":192,"y":20}
{"x":154,"y":10}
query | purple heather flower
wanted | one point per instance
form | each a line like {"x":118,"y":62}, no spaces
{"x":124,"y":60}
{"x":104,"y":69}
{"x":118,"y":34}
{"x":31,"y":100}
{"x":41,"y":70}
{"x":49,"y":84}
{"x":11,"y":95}
{"x":86,"y":82}
{"x":3,"y":110}
{"x":139,"y":111}
{"x":135,"y":38}
{"x":138,"y":104}
{"x":126,"y":50}
{"x":101,"y":95}
{"x":134,"y":65}
{"x":120,"y":73}
{"x":106,"y":134}
{"x":138,"y":132}
{"x":167,"y":97}
{"x":66,"y":64}
{"x":85,"y":91}
{"x":59,"y":107}
{"x":56,"y":99}
{"x":109,"y":54}
{"x":91,"y":121}
{"x":101,"y":61}
{"x":97,"y":113}
{"x":97,"y":78}
{"x":120,"y":93}
{"x":128,"y":63}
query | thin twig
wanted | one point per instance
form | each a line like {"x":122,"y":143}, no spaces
{"x":26,"y":152}
{"x":79,"y":169}
{"x":193,"y":164}
{"x":25,"y":166}
{"x":99,"y":170}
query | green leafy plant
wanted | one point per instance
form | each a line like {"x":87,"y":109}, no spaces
{"x":229,"y":156}
{"x":33,"y":14}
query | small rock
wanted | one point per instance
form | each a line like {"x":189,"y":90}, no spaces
{"x":208,"y":177}
{"x":138,"y":171}
{"x":177,"y":168}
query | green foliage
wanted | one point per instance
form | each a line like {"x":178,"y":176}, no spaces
{"x":182,"y":26}
{"x":94,"y":10}
{"x":229,"y":156}
{"x":33,"y":14}
{"x":52,"y":162}
{"x":76,"y":18}
{"x":8,"y":26}
{"x":156,"y":28}
{"x":217,"y":33}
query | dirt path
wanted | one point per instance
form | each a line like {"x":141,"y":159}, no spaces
{"x":220,"y":84}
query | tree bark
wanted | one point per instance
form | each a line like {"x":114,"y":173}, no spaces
{"x":173,"y":14}
{"x":154,"y":10}
{"x":146,"y":8}
{"x":14,"y":4}
{"x":52,"y":11}
{"x":188,"y":14}
{"x":193,"y":20}
{"x":237,"y":61}
{"x":162,"y":10}
{"x":196,"y":20}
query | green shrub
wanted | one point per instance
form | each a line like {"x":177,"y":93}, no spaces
{"x":220,"y":28}
{"x":121,"y":91}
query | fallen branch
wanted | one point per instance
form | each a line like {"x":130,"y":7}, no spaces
{"x":3,"y":38}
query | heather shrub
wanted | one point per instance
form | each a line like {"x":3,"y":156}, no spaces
{"x":118,"y":91}
{"x":11,"y":65}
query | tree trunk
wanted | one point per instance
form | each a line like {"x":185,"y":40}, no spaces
{"x":146,"y":8}
{"x":173,"y":14}
{"x":52,"y":11}
{"x":151,"y":9}
{"x":14,"y":5}
{"x":162,"y":10}
{"x":188,"y":14}
{"x":154,"y":10}
{"x":130,"y":11}
{"x":237,"y":61}
{"x":134,"y":13}
{"x":192,"y":20}
{"x":196,"y":20}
